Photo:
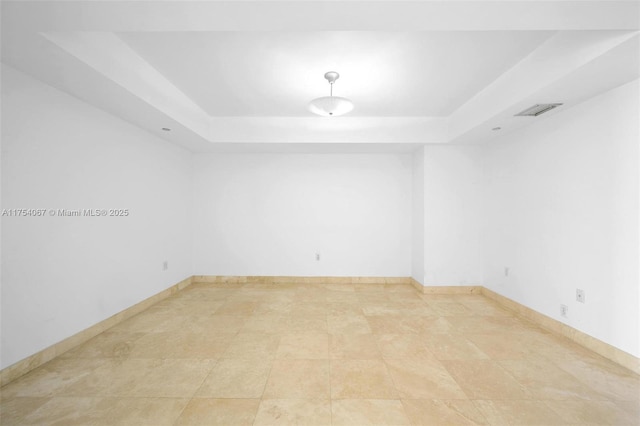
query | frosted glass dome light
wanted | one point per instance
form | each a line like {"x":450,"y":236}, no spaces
{"x":330,"y":106}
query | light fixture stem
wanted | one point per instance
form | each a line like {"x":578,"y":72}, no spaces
{"x":331,"y":90}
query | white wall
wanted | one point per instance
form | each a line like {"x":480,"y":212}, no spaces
{"x":417,"y":217}
{"x":452,"y":205}
{"x":269,"y":214}
{"x":562,"y":213}
{"x":61,"y":275}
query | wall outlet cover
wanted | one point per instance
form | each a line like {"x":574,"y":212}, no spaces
{"x":564,"y":310}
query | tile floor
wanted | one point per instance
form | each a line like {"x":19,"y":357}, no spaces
{"x":259,"y":354}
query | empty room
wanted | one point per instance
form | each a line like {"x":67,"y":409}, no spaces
{"x":320,"y":212}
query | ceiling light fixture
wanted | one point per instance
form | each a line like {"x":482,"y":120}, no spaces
{"x":330,"y":106}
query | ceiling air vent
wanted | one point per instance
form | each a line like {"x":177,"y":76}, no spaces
{"x":536,"y":110}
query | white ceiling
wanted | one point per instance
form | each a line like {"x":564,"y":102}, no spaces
{"x":384,"y":73}
{"x":220,"y":74}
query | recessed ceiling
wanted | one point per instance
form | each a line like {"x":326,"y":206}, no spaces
{"x":383,"y":73}
{"x":224,"y":73}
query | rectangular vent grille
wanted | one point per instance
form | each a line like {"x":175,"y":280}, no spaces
{"x":536,"y":110}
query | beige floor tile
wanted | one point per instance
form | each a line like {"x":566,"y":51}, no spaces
{"x":147,"y":322}
{"x":403,"y":346}
{"x":434,"y":325}
{"x":518,"y":412}
{"x":309,"y":309}
{"x":408,"y":324}
{"x":14,"y":410}
{"x":452,"y":346}
{"x":558,"y":348}
{"x":592,"y":413}
{"x":274,"y":412}
{"x":443,"y":412}
{"x":366,"y":297}
{"x":274,"y":307}
{"x":497,"y":347}
{"x":410,"y":296}
{"x":351,"y":379}
{"x":449,"y":308}
{"x":66,"y":411}
{"x":305,"y":324}
{"x":54,"y":377}
{"x":207,"y":292}
{"x":546,"y":381}
{"x":394,"y":324}
{"x":480,"y":305}
{"x":106,"y":345}
{"x":233,"y":307}
{"x":411,"y":307}
{"x":348,"y":324}
{"x":303,"y":346}
{"x":343,"y":297}
{"x":222,"y":412}
{"x":144,"y":411}
{"x":342,"y":307}
{"x":353,"y":346}
{"x":236,"y":378}
{"x":310,"y":297}
{"x":177,"y":306}
{"x":363,"y":412}
{"x":516,"y":324}
{"x":169,"y":378}
{"x":217,"y":324}
{"x":107,"y":411}
{"x":632,"y":408}
{"x":181,"y":345}
{"x":252,"y":346}
{"x":485,"y":379}
{"x":298,"y":378}
{"x":383,"y":309}
{"x":425,"y":311}
{"x":605,"y":377}
{"x":478,"y":324}
{"x":264,"y":323}
{"x":422,"y":379}
{"x":219,"y":342}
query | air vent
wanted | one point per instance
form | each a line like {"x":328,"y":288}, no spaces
{"x":536,"y":110}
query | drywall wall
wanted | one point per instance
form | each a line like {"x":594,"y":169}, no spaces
{"x":561,"y":212}
{"x":452,"y":202}
{"x":60,"y":274}
{"x":269,"y":214}
{"x":417,"y":217}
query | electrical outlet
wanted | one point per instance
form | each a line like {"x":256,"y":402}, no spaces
{"x":165,"y":265}
{"x":564,"y":310}
{"x":580,"y":295}
{"x":506,"y":272}
{"x":317,"y":256}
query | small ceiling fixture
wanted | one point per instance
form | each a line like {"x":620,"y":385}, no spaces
{"x":166,"y":129}
{"x":330,"y":106}
{"x":495,"y":129}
